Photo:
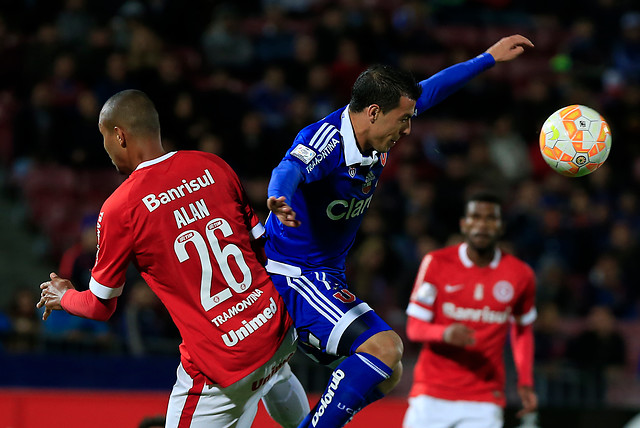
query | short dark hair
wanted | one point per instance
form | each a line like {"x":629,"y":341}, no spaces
{"x":383,"y":85}
{"x":483,"y":196}
{"x":133,"y":109}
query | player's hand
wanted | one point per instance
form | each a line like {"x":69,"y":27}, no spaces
{"x":51,"y":293}
{"x":283,"y":211}
{"x":529,"y":400}
{"x":459,"y":335}
{"x":508,"y":48}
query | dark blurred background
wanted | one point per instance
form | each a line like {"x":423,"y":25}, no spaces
{"x":240,"y":79}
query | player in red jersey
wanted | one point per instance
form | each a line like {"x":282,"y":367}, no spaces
{"x":465,"y":300}
{"x":183,"y":219}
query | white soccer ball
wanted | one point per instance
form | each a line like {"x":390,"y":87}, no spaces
{"x":575,"y":140}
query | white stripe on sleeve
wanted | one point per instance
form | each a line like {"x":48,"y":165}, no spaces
{"x":419,"y":312}
{"x":257,"y":231}
{"x":104,"y":292}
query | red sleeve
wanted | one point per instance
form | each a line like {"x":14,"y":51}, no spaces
{"x":420,"y":326}
{"x":523,"y":347}
{"x":85,"y":304}
{"x":421,"y":331}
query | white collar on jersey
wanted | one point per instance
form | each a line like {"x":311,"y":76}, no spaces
{"x":154,"y":161}
{"x":352,"y":153}
{"x":466,"y":261}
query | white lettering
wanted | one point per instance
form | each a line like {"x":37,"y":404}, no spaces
{"x":323,"y":154}
{"x":476,"y":315}
{"x":238,"y":307}
{"x":233,"y":337}
{"x":327,"y":398}
{"x":153,"y":201}
{"x":198,"y":211}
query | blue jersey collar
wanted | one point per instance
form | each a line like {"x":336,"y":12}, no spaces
{"x":352,"y":153}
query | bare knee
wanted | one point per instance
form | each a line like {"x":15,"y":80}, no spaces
{"x":385,"y":346}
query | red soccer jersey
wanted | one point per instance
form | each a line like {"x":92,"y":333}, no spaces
{"x":184,"y":220}
{"x":449,"y":288}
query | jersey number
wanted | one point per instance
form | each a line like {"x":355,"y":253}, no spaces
{"x":221,"y":256}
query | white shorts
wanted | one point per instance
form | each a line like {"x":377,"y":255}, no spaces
{"x":195,"y":404}
{"x":429,"y":412}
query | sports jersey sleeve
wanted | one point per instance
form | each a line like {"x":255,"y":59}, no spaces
{"x":285,"y":179}
{"x":424,"y":293}
{"x":315,"y":153}
{"x":522,"y":339}
{"x":522,"y":345}
{"x":115,"y":249}
{"x":444,"y":83}
{"x":85,"y":304}
{"x":524,"y":312}
{"x":420,"y":326}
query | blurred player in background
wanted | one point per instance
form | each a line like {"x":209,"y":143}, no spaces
{"x":184,"y":220}
{"x":318,"y":195}
{"x":465,"y":300}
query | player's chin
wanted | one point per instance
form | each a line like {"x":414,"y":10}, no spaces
{"x":481,"y":242}
{"x":388,"y":146}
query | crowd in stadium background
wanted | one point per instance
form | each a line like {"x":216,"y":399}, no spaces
{"x":240,"y":80}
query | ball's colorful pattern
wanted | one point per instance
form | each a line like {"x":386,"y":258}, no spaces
{"x":575,"y":140}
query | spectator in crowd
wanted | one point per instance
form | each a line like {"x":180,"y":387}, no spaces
{"x":23,"y":332}
{"x":599,"y":351}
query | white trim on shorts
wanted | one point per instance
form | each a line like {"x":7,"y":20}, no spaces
{"x":233,"y":406}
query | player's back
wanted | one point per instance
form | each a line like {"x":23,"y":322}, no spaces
{"x":189,"y":224}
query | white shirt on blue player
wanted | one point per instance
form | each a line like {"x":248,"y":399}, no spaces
{"x":329,"y":183}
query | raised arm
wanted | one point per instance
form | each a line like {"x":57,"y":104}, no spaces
{"x":444,"y":83}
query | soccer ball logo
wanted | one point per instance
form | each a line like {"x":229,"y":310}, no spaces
{"x":575,"y":140}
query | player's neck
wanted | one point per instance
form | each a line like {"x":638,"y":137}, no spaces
{"x":481,"y":257}
{"x":360,"y":132}
{"x":147,"y":152}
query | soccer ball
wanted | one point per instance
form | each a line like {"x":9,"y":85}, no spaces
{"x":575,"y":140}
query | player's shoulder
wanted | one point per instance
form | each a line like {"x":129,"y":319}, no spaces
{"x":317,"y":134}
{"x":516,"y":263}
{"x":199,"y":156}
{"x":448,"y":254}
{"x":319,"y":143}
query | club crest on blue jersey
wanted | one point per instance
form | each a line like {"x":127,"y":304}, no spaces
{"x":352,"y":172}
{"x":366,"y":187}
{"x":383,"y":158}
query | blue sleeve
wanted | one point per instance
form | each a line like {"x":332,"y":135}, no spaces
{"x":444,"y":83}
{"x":285,"y":179}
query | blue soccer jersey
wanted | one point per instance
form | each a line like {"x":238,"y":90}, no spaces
{"x":336,"y":190}
{"x":334,"y":181}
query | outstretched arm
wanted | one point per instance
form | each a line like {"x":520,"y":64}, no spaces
{"x":444,"y":83}
{"x":60,"y":294}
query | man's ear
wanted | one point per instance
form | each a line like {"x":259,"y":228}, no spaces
{"x":120,"y":137}
{"x":372,"y":112}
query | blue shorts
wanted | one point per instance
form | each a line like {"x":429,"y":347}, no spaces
{"x":327,"y":316}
